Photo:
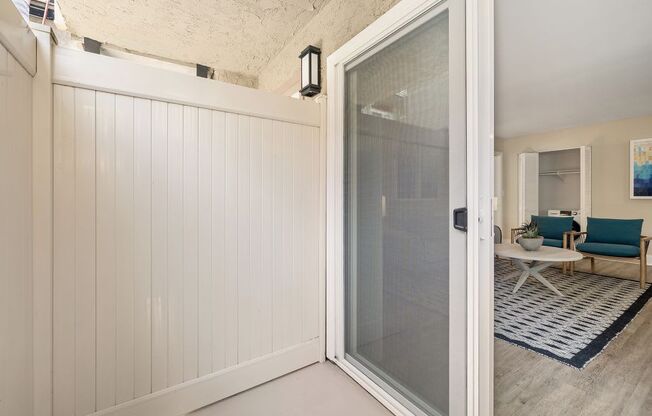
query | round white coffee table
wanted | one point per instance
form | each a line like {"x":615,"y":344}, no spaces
{"x":539,"y":260}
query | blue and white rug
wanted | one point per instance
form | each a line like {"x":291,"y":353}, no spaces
{"x":573,"y":328}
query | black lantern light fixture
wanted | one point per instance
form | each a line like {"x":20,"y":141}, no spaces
{"x":310,"y":71}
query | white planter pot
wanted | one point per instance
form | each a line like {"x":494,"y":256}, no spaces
{"x":530,"y":244}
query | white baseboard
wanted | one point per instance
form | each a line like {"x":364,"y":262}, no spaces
{"x":192,"y":395}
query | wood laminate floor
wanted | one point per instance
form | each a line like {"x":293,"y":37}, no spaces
{"x":618,"y":382}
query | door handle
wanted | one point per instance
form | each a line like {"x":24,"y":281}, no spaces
{"x":460,"y":219}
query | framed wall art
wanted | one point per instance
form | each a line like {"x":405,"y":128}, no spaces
{"x":640,"y":160}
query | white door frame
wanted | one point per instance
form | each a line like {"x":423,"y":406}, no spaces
{"x":480,"y":148}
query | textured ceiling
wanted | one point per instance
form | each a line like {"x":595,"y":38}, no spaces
{"x":238,"y":36}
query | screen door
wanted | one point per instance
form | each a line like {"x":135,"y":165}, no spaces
{"x":404,"y":192}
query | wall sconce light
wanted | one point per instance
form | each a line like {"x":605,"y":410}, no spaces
{"x":310,"y":71}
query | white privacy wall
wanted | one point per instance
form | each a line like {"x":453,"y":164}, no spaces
{"x":186,"y":242}
{"x":15,"y":237}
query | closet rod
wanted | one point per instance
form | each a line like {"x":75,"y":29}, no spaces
{"x":559,"y":172}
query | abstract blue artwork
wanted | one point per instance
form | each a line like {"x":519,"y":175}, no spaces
{"x":641,"y":169}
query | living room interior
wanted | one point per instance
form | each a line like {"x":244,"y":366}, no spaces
{"x":573,"y":156}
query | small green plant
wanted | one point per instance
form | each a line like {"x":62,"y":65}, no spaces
{"x":529,"y":230}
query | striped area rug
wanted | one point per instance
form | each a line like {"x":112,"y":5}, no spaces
{"x":573,"y":328}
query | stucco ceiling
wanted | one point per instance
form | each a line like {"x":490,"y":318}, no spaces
{"x":238,"y":36}
{"x":563,"y":63}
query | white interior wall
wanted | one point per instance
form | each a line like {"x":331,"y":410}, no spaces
{"x":15,"y":237}
{"x":186,"y":244}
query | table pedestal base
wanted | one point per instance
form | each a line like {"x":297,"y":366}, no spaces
{"x":533,"y":270}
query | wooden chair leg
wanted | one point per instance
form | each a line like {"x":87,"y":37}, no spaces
{"x":564,"y":245}
{"x":593,"y":265}
{"x":643,"y":253}
{"x":643,"y":272}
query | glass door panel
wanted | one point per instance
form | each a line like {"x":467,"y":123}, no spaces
{"x":397,"y":213}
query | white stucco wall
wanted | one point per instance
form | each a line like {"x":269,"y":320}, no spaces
{"x":251,"y":43}
{"x":337,"y":22}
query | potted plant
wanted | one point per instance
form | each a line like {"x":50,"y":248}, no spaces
{"x":529,"y":237}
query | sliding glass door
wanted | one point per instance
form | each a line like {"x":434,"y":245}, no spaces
{"x":404,"y":249}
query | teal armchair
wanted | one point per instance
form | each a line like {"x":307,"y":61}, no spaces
{"x":552,"y":229}
{"x":613,"y":239}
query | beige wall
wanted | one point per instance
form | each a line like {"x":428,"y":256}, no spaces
{"x":610,"y":167}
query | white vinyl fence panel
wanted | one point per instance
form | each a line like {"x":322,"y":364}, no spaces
{"x":15,"y":237}
{"x":186,"y":243}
